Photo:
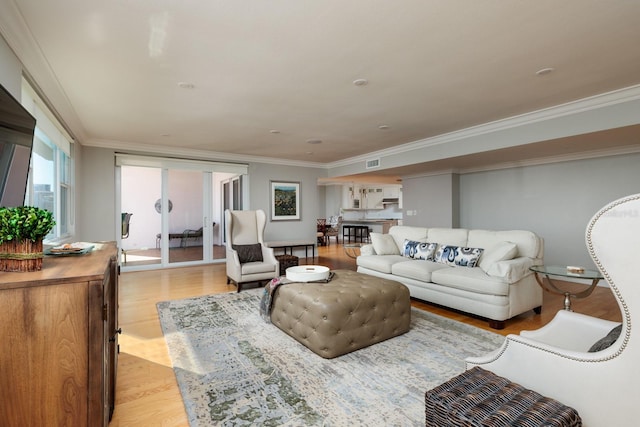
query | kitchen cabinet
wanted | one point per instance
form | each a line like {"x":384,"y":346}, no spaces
{"x":59,"y":335}
{"x":351,"y":196}
{"x":372,"y":198}
{"x":391,"y":191}
{"x":358,"y":196}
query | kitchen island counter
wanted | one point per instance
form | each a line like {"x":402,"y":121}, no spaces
{"x":375,"y":225}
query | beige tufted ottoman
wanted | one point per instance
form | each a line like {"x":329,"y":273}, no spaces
{"x":352,"y":311}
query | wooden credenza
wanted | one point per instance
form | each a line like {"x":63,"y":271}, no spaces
{"x":59,"y":341}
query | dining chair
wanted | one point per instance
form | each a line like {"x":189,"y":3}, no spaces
{"x":321,"y":229}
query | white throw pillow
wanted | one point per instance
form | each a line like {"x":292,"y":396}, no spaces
{"x":384,"y":244}
{"x":503,"y":251}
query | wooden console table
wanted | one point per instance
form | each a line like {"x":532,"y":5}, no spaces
{"x":59,"y":338}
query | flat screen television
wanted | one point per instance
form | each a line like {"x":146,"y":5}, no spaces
{"x":16,"y":140}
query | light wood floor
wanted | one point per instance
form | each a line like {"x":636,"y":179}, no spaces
{"x":147,"y":392}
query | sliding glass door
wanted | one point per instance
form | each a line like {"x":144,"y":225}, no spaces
{"x":140,"y":191}
{"x":177,"y":211}
{"x":186,"y":236}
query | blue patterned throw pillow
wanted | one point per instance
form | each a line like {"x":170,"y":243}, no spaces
{"x":419,"y":250}
{"x":456,"y":255}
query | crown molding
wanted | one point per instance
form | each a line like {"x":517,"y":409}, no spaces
{"x":126,"y":147}
{"x":591,"y":103}
{"x":36,"y":68}
{"x":584,"y":155}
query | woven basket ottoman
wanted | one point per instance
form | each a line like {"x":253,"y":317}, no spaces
{"x":286,"y":261}
{"x":478,"y":397}
{"x":348,"y":313}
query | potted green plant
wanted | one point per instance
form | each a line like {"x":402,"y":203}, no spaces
{"x":21,"y":232}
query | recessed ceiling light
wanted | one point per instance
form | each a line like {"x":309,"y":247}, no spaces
{"x":383,"y":127}
{"x":314,"y":141}
{"x":361,"y":82}
{"x":274,"y":131}
{"x":186,"y":85}
{"x":545,"y":71}
{"x":310,"y":153}
{"x":166,"y":134}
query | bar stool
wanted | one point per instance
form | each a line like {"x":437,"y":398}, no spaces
{"x":361,"y":233}
{"x":348,"y":231}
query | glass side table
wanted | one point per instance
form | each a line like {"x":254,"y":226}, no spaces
{"x":352,"y":249}
{"x":543,"y":272}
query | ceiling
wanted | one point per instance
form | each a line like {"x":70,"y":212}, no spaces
{"x":272,"y":78}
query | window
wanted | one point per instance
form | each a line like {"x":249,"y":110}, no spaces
{"x":50,"y":184}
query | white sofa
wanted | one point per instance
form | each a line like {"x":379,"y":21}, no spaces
{"x":496,"y":285}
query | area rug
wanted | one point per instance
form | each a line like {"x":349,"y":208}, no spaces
{"x":234,"y":369}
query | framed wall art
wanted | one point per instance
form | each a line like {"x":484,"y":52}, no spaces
{"x":285,"y":201}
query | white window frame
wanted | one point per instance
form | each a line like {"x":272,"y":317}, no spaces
{"x":61,"y":141}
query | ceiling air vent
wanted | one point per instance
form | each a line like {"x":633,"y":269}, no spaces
{"x":374,"y":163}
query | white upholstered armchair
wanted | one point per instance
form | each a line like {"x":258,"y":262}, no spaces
{"x":603,"y":386}
{"x":248,"y":259}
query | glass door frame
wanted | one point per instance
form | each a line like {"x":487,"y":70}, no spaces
{"x":208,"y":170}
{"x":234,"y":192}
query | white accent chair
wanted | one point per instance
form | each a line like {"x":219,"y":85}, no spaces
{"x":603,"y":386}
{"x":247,"y":228}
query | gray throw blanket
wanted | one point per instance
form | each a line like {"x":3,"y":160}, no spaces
{"x":269,"y":294}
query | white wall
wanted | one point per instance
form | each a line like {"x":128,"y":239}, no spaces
{"x":312,"y":199}
{"x":555,"y":200}
{"x":333,"y":200}
{"x":431,"y":201}
{"x":95,"y":199}
{"x":10,"y":70}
